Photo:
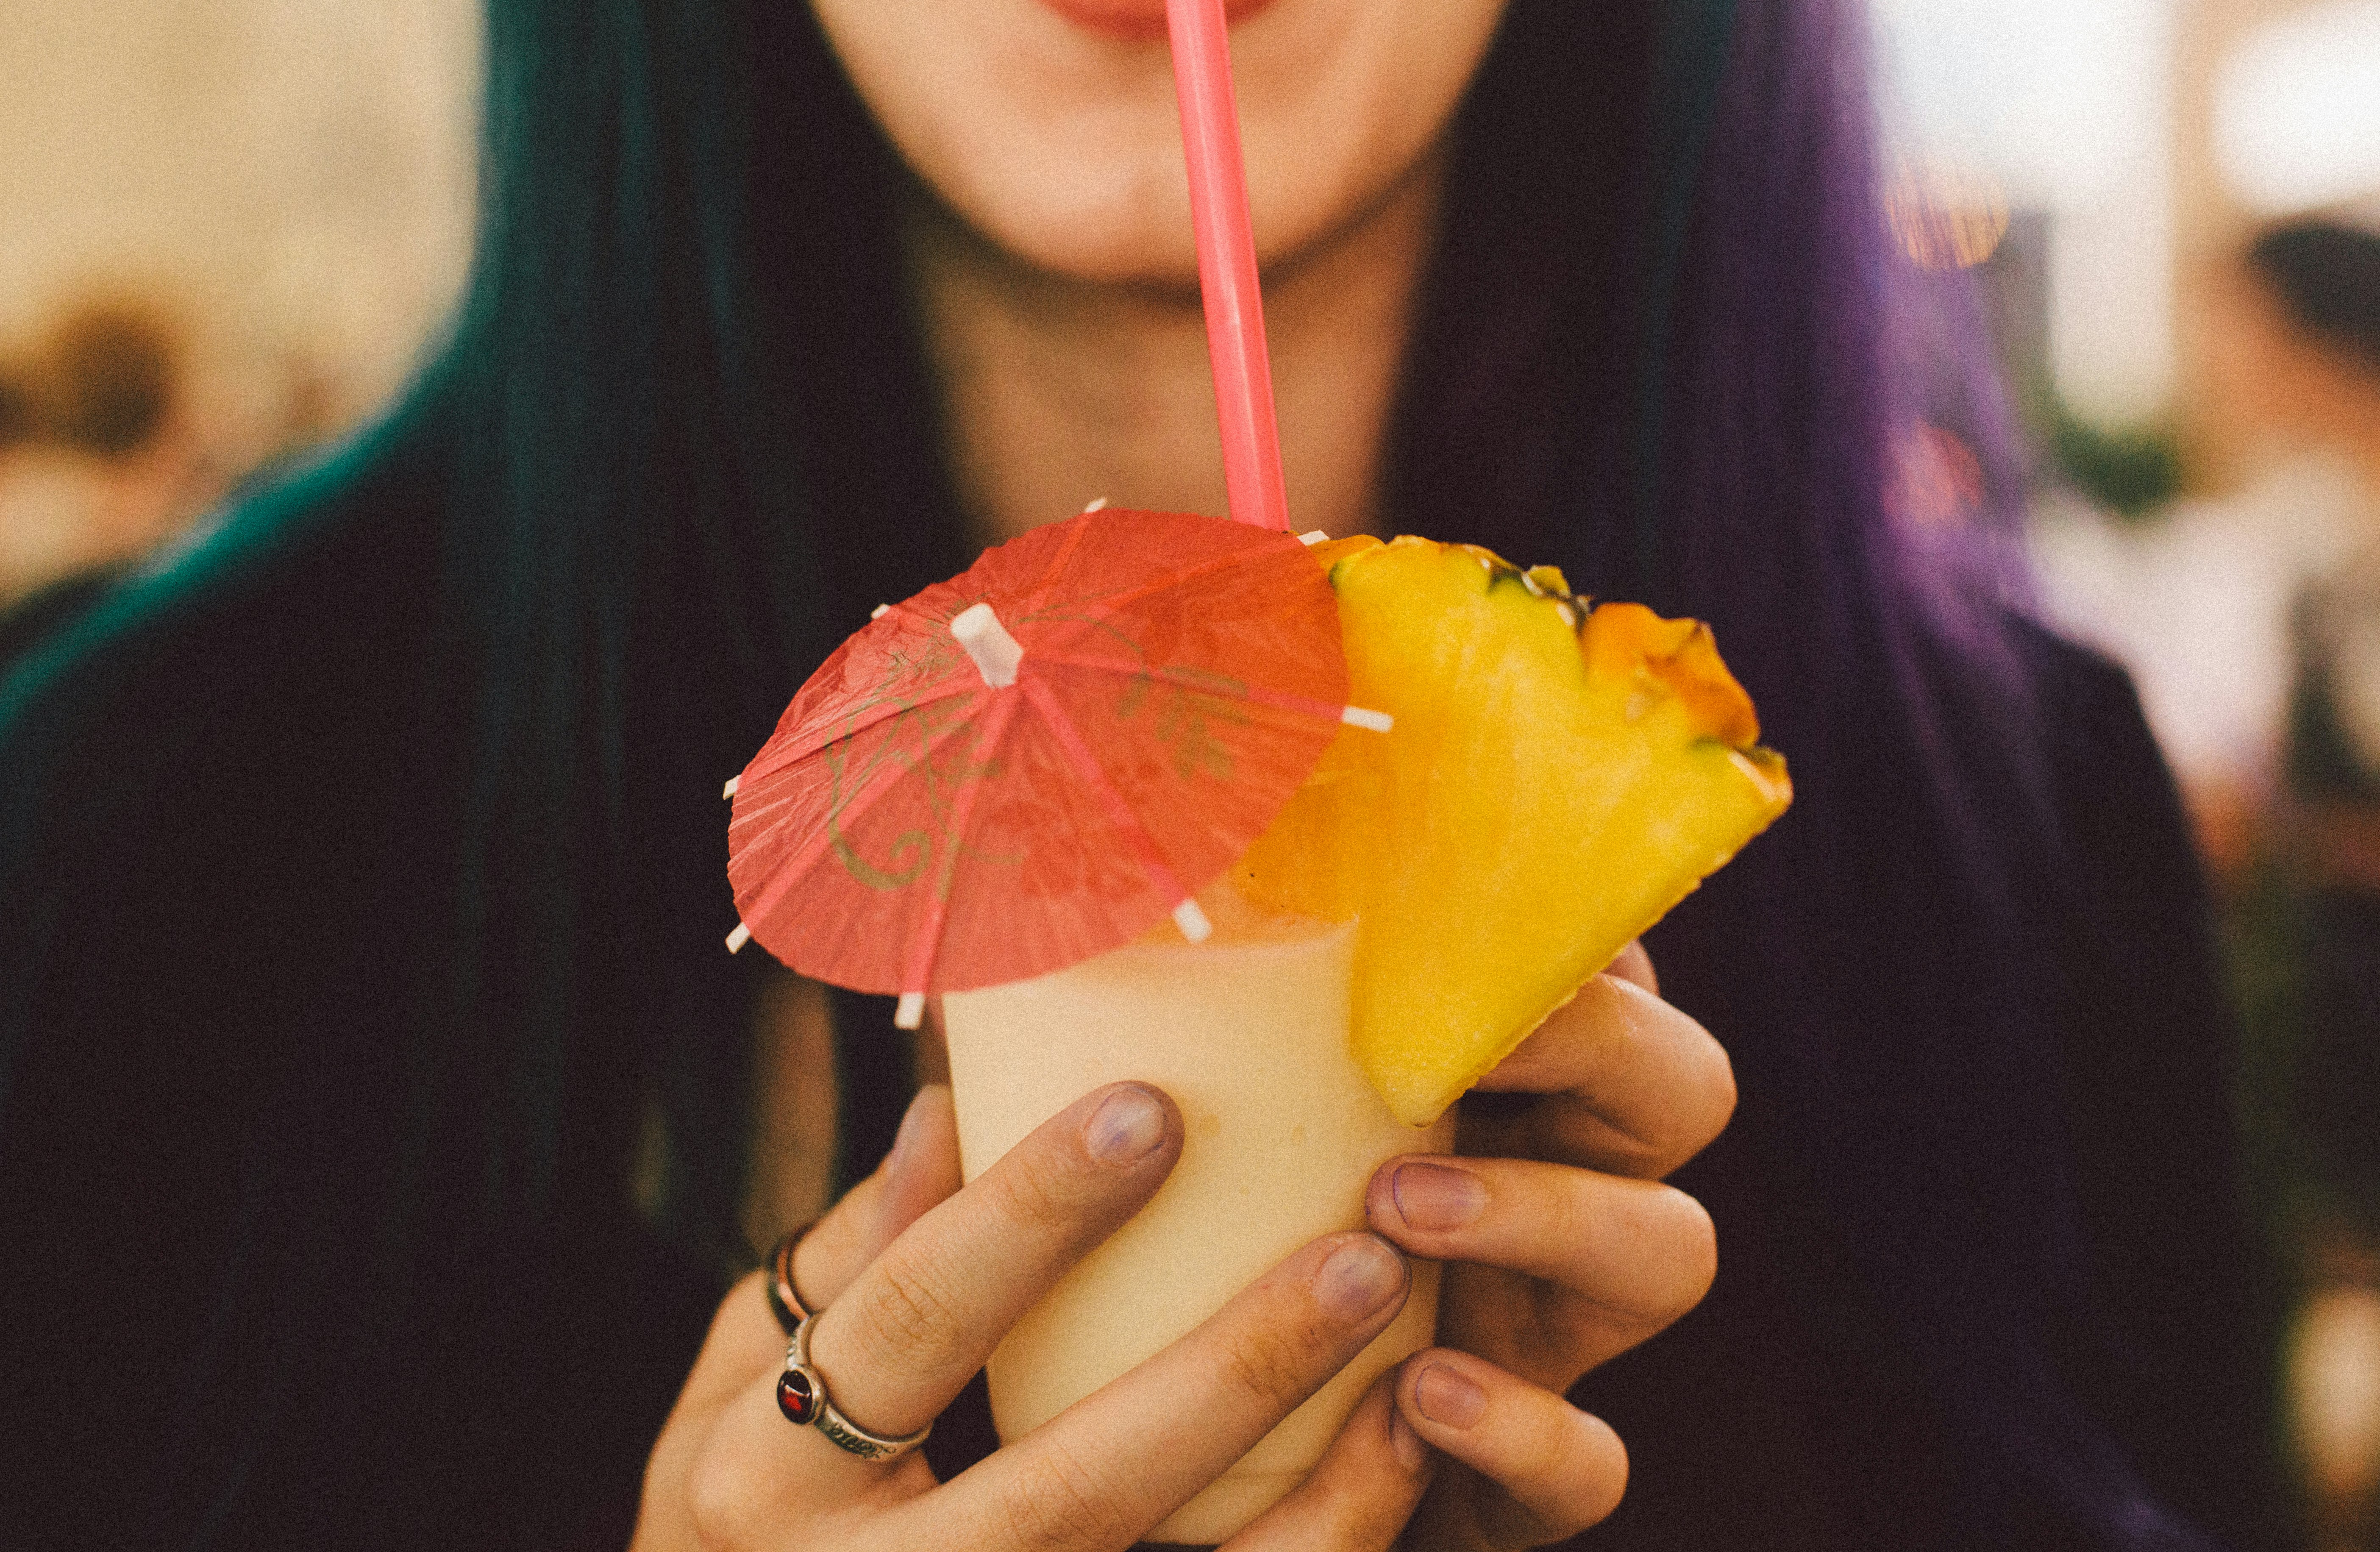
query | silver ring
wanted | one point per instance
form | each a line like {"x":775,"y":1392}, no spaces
{"x":783,"y":1303}
{"x":801,"y":1396}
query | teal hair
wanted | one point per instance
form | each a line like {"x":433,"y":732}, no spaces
{"x":678,"y":413}
{"x":679,"y":441}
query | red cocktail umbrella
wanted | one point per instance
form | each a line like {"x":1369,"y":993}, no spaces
{"x":1038,"y":759}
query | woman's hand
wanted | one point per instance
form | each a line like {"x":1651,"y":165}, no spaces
{"x":1563,"y":1251}
{"x":917,"y":1281}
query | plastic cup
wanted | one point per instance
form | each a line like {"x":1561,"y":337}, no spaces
{"x":1249,"y":1031}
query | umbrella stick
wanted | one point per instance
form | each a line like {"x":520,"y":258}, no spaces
{"x":1227,"y":262}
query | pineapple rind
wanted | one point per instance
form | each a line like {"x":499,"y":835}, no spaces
{"x":1555,"y":782}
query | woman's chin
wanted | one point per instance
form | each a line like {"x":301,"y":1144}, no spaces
{"x":1119,"y":232}
{"x":1062,"y":148}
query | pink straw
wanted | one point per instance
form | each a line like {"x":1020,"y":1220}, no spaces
{"x":1227,"y":262}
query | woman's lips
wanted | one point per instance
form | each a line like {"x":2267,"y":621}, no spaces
{"x":1137,"y":18}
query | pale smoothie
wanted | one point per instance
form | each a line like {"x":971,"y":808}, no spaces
{"x":1249,"y":1031}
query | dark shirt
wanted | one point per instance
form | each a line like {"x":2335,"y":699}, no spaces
{"x":1775,"y":1416}
{"x":233,"y":1317}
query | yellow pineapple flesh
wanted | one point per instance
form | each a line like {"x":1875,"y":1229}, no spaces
{"x":1555,"y":780}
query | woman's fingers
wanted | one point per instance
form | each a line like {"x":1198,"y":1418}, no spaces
{"x":1550,"y":1469}
{"x":1636,"y":1086}
{"x":921,"y":1171}
{"x":1361,"y":1492}
{"x":898,"y":1342}
{"x":916,"y":1324}
{"x":1625,"y":1258}
{"x":1639,"y":1249}
{"x":1103,"y":1472}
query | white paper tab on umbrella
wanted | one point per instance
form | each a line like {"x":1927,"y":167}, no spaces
{"x":1192,"y":922}
{"x":996,"y":653}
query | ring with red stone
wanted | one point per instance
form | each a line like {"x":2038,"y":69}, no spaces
{"x":801,"y":1396}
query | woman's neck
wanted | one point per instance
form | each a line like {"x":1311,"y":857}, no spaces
{"x":1055,"y":392}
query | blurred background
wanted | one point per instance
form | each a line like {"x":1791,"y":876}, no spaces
{"x":230,"y":229}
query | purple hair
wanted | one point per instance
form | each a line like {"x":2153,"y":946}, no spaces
{"x":1875,"y":965}
{"x":672,"y":455}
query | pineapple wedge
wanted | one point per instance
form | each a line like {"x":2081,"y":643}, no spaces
{"x":1556,"y":780}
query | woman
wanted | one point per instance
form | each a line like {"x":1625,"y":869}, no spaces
{"x":362,"y":866}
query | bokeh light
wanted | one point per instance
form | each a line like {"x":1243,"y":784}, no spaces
{"x":1945,"y":217}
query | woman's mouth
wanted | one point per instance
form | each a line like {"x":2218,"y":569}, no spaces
{"x":1137,"y":18}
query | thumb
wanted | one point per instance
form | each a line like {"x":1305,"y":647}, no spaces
{"x":921,"y":1171}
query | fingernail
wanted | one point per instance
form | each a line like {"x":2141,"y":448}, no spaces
{"x":1360,"y":1276}
{"x":1126,"y":1128}
{"x":1449,"y":1397}
{"x":1411,"y":1452}
{"x":1433,"y":1196}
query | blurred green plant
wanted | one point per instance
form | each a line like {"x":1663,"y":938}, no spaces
{"x":2130,"y":470}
